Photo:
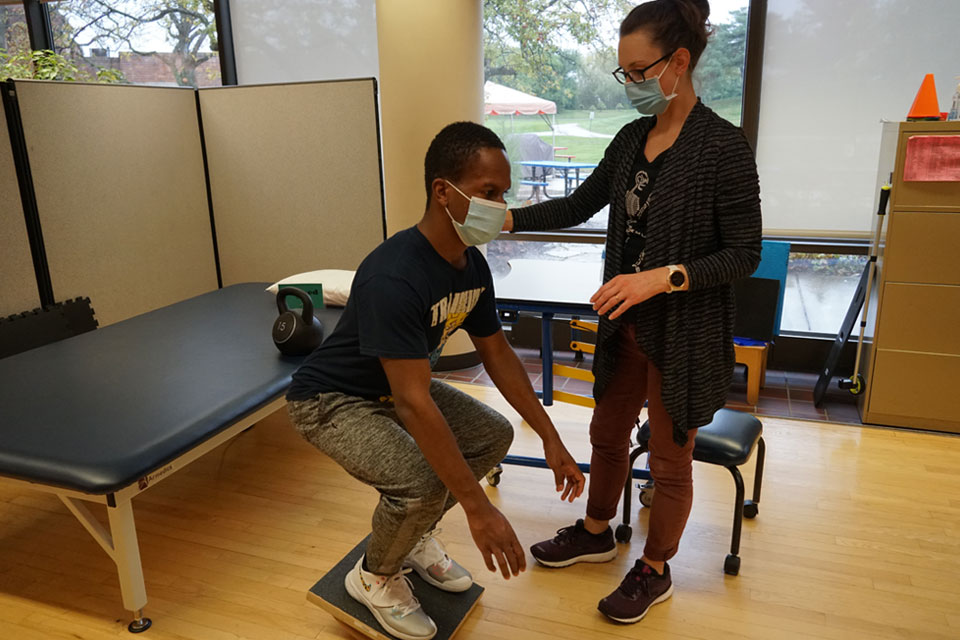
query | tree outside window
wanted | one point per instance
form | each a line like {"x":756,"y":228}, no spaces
{"x":15,"y":54}
{"x":158,"y":42}
{"x":13,"y":29}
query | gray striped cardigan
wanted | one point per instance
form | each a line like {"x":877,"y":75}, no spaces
{"x":705,"y":214}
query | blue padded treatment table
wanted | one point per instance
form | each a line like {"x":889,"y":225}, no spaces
{"x":101,"y":416}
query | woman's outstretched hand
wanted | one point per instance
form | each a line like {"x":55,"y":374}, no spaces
{"x":626,"y":290}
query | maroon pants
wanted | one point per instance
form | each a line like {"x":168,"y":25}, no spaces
{"x":636,"y":380}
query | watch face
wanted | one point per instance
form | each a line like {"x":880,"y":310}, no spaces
{"x":676,"y":278}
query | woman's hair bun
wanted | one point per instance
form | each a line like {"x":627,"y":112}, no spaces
{"x":702,"y":6}
{"x":672,"y":24}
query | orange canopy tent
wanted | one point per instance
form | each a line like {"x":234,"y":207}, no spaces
{"x":499,"y":100}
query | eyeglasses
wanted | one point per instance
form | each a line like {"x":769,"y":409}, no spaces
{"x":637,"y":75}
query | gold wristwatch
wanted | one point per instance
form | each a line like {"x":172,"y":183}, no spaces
{"x":675,"y":278}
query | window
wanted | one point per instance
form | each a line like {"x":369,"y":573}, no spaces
{"x":832,"y":73}
{"x":571,"y":69}
{"x":721,"y":68}
{"x":304,"y":40}
{"x":14,"y":40}
{"x":500,"y":252}
{"x":157,"y":42}
{"x":819,"y":289}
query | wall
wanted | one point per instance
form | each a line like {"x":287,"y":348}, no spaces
{"x":431,"y":74}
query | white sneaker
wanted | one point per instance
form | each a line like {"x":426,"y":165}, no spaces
{"x":391,"y":601}
{"x":430,"y":560}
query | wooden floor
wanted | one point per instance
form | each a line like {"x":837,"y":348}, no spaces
{"x":858,"y":537}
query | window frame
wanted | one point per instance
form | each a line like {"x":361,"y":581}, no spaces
{"x":753,"y":74}
{"x":41,"y":34}
{"x":38,"y":25}
{"x":750,"y":118}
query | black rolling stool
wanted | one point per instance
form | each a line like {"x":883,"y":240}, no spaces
{"x":727,"y":441}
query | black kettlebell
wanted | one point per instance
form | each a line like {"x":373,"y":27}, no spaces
{"x":296,"y":334}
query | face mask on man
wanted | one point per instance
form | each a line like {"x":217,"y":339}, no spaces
{"x":647,"y":97}
{"x":483,"y":222}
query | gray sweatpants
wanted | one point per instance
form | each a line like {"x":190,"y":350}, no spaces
{"x":368,"y":440}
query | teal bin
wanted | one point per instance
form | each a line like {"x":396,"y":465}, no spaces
{"x":773,"y":265}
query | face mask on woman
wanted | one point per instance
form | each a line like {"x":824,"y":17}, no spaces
{"x":647,"y":97}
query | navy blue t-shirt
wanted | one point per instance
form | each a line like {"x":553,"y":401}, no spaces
{"x":405,"y":302}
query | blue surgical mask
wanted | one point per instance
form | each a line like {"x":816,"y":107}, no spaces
{"x":483,"y":222}
{"x":647,"y":97}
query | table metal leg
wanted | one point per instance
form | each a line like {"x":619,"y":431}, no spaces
{"x":575,"y":335}
{"x":546,"y":356}
{"x":127,"y":556}
{"x":120,"y":543}
{"x":546,"y":180}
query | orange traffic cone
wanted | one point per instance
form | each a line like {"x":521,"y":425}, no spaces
{"x":925,"y":106}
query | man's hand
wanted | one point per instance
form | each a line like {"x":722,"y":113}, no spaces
{"x":508,"y":221}
{"x":496,"y":540}
{"x":410,"y":383}
{"x":506,"y":371}
{"x":567,"y":475}
{"x":629,"y":289}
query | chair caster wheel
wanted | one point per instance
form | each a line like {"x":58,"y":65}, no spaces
{"x":858,"y":385}
{"x":646,"y":497}
{"x":493,"y":476}
{"x":623,"y":533}
{"x":750,"y":509}
{"x":731,"y":566}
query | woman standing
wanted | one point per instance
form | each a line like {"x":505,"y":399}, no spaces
{"x":684,"y":224}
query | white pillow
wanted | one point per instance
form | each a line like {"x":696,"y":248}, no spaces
{"x":336,"y":284}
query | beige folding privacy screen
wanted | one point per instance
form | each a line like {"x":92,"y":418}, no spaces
{"x":118,"y":175}
{"x":295,"y":177}
{"x":19,"y":289}
{"x":121,"y":189}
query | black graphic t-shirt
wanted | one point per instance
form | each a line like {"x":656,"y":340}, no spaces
{"x":637,"y":200}
{"x":405,"y":302}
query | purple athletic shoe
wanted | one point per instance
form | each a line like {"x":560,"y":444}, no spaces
{"x":575,"y":544}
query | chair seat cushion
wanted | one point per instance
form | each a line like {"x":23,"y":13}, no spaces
{"x":728,"y":440}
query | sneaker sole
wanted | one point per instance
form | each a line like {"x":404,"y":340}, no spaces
{"x":352,"y":590}
{"x":429,"y":579}
{"x":663,"y":598}
{"x":607,"y":556}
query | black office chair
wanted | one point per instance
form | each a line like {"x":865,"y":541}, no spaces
{"x":728,"y":441}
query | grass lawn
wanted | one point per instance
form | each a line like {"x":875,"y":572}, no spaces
{"x":605,"y":121}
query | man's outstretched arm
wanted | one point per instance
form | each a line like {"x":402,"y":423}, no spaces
{"x":492,"y":533}
{"x":507,"y":372}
